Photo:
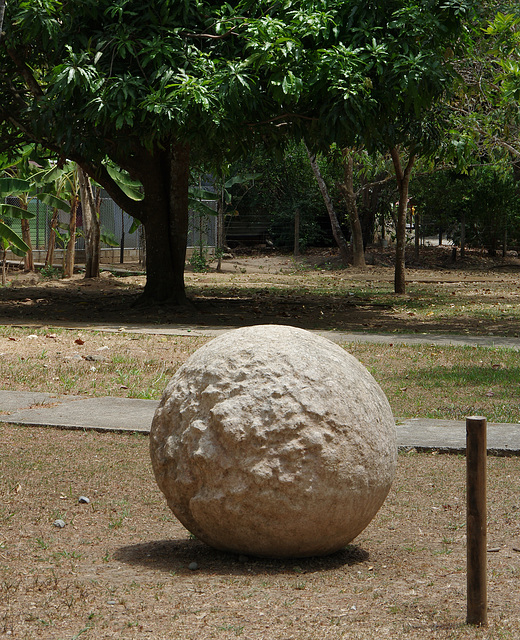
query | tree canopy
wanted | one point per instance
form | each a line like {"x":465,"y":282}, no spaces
{"x":149,"y":84}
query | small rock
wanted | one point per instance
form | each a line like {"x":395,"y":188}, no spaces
{"x":111,"y":602}
{"x":193,"y":566}
{"x":83,"y":500}
{"x":59,"y":523}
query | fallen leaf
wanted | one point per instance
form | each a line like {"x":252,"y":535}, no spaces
{"x":79,"y":341}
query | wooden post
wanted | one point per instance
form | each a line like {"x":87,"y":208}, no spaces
{"x":476,"y":525}
{"x":296,"y":251}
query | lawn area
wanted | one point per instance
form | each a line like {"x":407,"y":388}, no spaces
{"x":426,"y":380}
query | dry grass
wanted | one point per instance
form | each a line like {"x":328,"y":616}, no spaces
{"x":479,"y":296}
{"x":427,"y":381}
{"x":90,"y":363}
{"x":119,"y":568}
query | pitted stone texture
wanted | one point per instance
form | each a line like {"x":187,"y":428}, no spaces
{"x":272,"y":441}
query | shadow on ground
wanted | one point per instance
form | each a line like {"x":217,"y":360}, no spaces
{"x":176,"y":555}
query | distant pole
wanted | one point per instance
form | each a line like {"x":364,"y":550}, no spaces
{"x":296,"y":251}
{"x":476,"y":521}
{"x":122,"y":248}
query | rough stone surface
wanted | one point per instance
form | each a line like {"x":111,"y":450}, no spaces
{"x":272,"y":441}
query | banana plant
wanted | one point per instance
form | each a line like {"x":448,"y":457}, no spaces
{"x":23,"y":190}
{"x":63,"y":181}
{"x":19,"y":180}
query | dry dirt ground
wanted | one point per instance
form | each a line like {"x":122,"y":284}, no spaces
{"x":312,"y":292}
{"x":120,"y":567}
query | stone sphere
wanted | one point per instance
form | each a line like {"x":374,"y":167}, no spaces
{"x":272,"y":441}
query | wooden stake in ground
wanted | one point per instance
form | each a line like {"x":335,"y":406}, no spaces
{"x":476,"y":525}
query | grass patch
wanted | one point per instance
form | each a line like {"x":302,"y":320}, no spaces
{"x":446,"y":382}
{"x":428,"y":381}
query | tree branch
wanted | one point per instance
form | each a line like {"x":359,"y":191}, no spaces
{"x":26,"y":74}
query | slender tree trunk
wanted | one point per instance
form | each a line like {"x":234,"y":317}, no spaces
{"x":49,"y":258}
{"x":4,"y":266}
{"x":220,"y":233}
{"x":347,"y":189}
{"x":70,"y":252}
{"x":403,"y":183}
{"x":2,"y":12}
{"x":463,"y":234}
{"x":417,"y":235}
{"x":90,"y":225}
{"x":336,"y":228}
{"x":296,"y":249}
{"x":26,"y":237}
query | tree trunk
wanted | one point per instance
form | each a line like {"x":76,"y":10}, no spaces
{"x":296,"y":249}
{"x":70,"y":253}
{"x":90,"y":225}
{"x":336,"y":228}
{"x":4,"y":266}
{"x":220,"y":234}
{"x":2,"y":12}
{"x":165,"y":221}
{"x":347,"y":189}
{"x":164,"y":173}
{"x":463,"y":234}
{"x":417,"y":235}
{"x":26,"y":237}
{"x":403,"y":184}
{"x":49,"y":258}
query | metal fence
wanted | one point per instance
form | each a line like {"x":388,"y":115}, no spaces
{"x":114,"y":222}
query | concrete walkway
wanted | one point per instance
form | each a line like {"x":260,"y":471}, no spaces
{"x":341,"y":337}
{"x":132,"y":415}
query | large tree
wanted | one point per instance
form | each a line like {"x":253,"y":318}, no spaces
{"x":140,"y":84}
{"x":146,"y":85}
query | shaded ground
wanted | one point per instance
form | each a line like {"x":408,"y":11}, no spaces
{"x":477,"y":296}
{"x":120,"y":567}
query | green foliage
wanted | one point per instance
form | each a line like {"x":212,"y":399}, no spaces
{"x":51,"y":273}
{"x":199,"y":261}
{"x":108,"y":238}
{"x":283,"y":186}
{"x":487,"y":197}
{"x":114,"y":71}
{"x":133,"y":81}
